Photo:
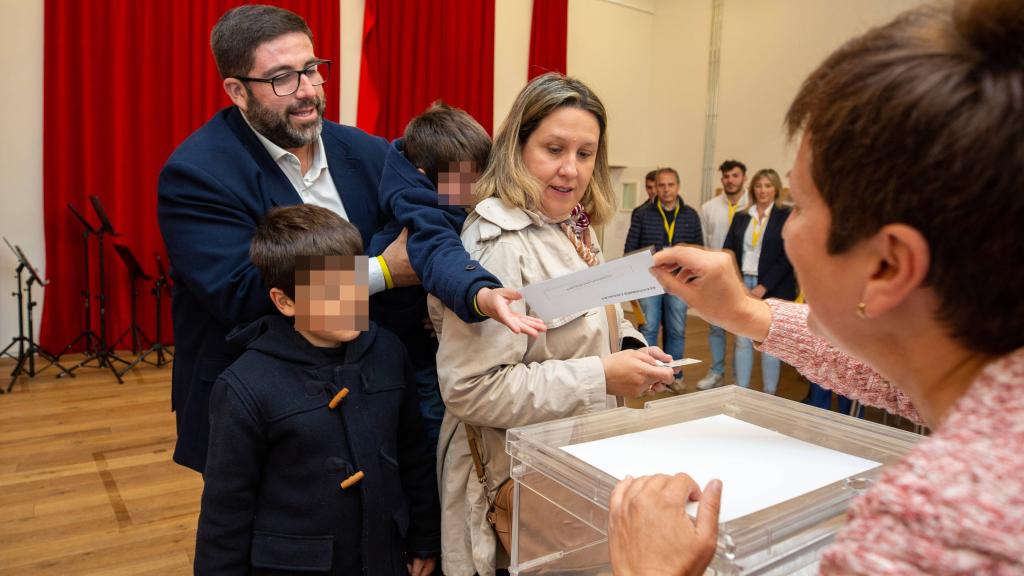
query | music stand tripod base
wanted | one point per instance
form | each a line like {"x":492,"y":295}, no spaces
{"x":28,"y":349}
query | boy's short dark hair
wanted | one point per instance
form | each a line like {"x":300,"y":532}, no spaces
{"x":294,"y":234}
{"x":444,"y":135}
{"x":651,"y":176}
{"x":240,"y":31}
{"x":730,"y":164}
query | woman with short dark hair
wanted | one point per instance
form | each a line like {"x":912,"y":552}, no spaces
{"x":906,"y":237}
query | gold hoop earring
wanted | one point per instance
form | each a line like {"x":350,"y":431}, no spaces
{"x":861,"y":313}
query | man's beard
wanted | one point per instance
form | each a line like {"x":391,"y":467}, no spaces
{"x":279,"y":130}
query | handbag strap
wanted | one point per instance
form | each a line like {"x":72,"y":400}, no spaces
{"x":473,"y":437}
{"x":613,"y":328}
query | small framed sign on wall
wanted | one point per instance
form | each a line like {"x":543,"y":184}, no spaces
{"x":628,"y":196}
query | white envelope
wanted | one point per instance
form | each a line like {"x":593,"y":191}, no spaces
{"x":621,"y":280}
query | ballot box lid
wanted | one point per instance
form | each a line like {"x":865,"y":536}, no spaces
{"x":774,"y":540}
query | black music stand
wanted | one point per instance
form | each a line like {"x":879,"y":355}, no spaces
{"x":163,"y":354}
{"x":135,"y":273}
{"x":92,"y":340}
{"x":28,"y":349}
{"x":104,"y":357}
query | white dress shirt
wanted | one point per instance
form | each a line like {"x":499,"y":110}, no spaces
{"x":714,"y":218}
{"x":751,"y":251}
{"x":316,"y":187}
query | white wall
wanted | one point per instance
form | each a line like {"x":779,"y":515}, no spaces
{"x":511,"y":53}
{"x":682,"y":35}
{"x":21,"y":151}
{"x":768,"y":48}
{"x":351,"y":57}
{"x":609,"y":47}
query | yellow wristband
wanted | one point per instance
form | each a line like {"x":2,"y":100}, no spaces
{"x":476,"y":308}
{"x":388,"y":283}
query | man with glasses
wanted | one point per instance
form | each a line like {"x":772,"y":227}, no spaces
{"x":272,"y":148}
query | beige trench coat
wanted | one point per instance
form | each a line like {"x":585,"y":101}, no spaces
{"x":495,"y":379}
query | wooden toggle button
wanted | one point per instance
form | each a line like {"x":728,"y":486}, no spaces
{"x":348,"y":482}
{"x":337,"y":398}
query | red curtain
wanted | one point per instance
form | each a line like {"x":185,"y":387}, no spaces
{"x":548,"y":30}
{"x":125,"y":81}
{"x":417,"y":52}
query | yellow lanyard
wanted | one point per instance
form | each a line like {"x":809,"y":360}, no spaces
{"x":732,"y":210}
{"x":759,"y":225}
{"x":669,"y":229}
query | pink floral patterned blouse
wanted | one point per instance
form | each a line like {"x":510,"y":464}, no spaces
{"x":955,"y":504}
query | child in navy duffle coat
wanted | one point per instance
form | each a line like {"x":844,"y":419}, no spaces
{"x":317,"y":461}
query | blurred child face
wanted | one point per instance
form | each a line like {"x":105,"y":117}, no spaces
{"x":332,"y":302}
{"x":455,"y":187}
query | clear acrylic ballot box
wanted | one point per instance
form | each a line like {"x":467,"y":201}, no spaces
{"x":560,"y":510}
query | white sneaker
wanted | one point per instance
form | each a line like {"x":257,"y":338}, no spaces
{"x":711,"y":380}
{"x":677,"y":386}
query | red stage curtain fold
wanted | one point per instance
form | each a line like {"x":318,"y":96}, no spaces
{"x":548,"y":32}
{"x":124,"y":83}
{"x":418,"y":52}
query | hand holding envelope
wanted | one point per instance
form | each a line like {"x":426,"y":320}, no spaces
{"x":621,"y":280}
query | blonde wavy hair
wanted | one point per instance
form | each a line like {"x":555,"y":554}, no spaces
{"x":773,"y":178}
{"x":507,"y":177}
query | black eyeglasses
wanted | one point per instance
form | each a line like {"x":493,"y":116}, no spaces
{"x":286,"y":83}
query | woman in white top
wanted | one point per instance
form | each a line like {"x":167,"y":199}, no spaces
{"x":755,"y":237}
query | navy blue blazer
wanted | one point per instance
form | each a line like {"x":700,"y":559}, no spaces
{"x":774,"y":271}
{"x":212,"y":193}
{"x":647,"y":228}
{"x":272,"y":498}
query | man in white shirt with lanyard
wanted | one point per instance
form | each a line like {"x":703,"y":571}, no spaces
{"x":716,"y":217}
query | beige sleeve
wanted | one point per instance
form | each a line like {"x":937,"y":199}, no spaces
{"x":481,"y":370}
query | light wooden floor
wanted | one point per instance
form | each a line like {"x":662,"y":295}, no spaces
{"x":87,"y":485}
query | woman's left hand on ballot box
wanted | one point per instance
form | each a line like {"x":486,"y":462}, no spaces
{"x":655,"y":507}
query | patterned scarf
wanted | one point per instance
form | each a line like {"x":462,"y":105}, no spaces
{"x":577,"y":230}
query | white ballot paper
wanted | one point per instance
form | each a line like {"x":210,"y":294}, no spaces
{"x":622,"y":279}
{"x":758,"y":467}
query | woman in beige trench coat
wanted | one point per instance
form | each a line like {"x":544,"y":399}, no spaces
{"x":547,"y":177}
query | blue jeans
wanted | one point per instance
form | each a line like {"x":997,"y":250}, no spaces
{"x":673,"y":310}
{"x":743,"y":363}
{"x":431,"y":404}
{"x":716,"y":338}
{"x":822,"y":398}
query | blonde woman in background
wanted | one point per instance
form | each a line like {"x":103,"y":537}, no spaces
{"x":755,"y":237}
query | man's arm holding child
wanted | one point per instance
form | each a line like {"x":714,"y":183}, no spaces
{"x":446,"y":269}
